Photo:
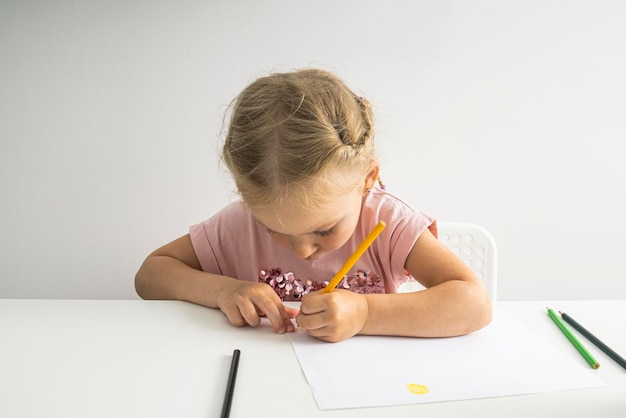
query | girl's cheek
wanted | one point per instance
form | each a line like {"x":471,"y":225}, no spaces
{"x":336,"y":242}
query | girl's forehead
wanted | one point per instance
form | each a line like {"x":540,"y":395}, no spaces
{"x":294,"y":219}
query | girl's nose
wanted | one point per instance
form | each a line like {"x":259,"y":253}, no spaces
{"x":303,"y":248}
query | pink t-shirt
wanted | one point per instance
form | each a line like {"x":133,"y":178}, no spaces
{"x":232,"y":243}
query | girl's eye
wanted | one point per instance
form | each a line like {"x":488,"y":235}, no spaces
{"x":325,"y":233}
{"x":318,"y":233}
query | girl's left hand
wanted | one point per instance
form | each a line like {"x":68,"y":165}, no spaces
{"x":333,"y":316}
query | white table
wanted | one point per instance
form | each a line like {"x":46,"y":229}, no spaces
{"x":99,"y":358}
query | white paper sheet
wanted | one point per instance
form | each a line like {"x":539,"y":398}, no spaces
{"x":506,"y":358}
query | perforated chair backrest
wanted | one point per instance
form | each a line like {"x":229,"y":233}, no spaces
{"x":474,"y":245}
{"x":477,"y":247}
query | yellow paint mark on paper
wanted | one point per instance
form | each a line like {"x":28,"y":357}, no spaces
{"x":417,"y":389}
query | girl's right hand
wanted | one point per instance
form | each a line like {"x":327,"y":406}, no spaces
{"x":245,"y":302}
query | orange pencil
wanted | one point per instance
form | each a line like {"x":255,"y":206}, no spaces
{"x":355,"y":256}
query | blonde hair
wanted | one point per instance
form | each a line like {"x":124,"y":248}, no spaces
{"x":286,"y":129}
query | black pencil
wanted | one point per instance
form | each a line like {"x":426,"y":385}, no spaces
{"x":607,"y":350}
{"x":230,"y":387}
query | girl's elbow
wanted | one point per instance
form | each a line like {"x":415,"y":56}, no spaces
{"x":483,"y":314}
{"x":480,"y":310}
{"x":487,"y":314}
{"x":142,"y":282}
{"x":140,"y":287}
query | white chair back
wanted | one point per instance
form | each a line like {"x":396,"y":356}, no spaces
{"x":474,"y":245}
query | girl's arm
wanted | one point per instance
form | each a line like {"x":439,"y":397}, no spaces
{"x":454,"y":303}
{"x":173,"y":272}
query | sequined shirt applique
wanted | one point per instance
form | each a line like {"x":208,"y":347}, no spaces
{"x":290,"y":288}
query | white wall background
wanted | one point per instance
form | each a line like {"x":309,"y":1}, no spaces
{"x":508,"y":114}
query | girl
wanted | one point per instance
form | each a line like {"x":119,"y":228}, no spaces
{"x":300,"y":147}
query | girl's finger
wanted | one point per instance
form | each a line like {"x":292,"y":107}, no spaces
{"x":249,"y":313}
{"x":274,"y":310}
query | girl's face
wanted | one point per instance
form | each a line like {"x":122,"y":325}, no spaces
{"x":313,"y":233}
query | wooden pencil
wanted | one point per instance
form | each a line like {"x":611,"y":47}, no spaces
{"x":230,"y":386}
{"x":588,"y":335}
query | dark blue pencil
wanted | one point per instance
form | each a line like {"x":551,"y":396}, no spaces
{"x":607,"y":350}
{"x":230,"y":386}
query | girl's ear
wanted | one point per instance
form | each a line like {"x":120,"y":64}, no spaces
{"x":371,"y":177}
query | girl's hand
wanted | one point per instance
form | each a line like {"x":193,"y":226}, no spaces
{"x":246,"y":302}
{"x":333,"y":316}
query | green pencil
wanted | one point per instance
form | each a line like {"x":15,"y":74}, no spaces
{"x":581,"y":348}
